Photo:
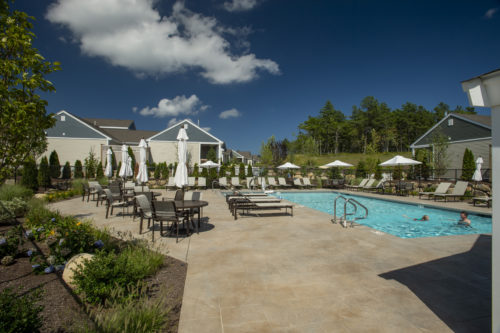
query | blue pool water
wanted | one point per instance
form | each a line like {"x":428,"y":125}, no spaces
{"x":394,"y":218}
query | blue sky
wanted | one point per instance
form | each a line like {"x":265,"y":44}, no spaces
{"x":249,"y":69}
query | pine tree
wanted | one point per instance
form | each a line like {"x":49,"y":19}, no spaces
{"x":100,"y":171}
{"x":113,"y":159}
{"x":242,"y":171}
{"x":78,"y":169}
{"x":196,"y":170}
{"x":249,"y":171}
{"x":233,"y":171}
{"x":468,"y":165}
{"x":361,"y":169}
{"x":44,"y":173}
{"x":212,"y":155}
{"x":30,"y":175}
{"x":55,"y":167}
{"x":66,"y":173}
{"x":157,"y":173}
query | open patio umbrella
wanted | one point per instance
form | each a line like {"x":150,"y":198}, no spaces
{"x":477,"y":173}
{"x":108,"y":172}
{"x":288,"y":166}
{"x":399,"y":160}
{"x":123,"y":173}
{"x":337,"y":163}
{"x":209,"y":165}
{"x":181,"y":174}
{"x":142,"y":174}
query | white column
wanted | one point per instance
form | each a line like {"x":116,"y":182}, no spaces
{"x":495,"y":258}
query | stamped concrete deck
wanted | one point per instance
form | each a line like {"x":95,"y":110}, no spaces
{"x":274,"y":272}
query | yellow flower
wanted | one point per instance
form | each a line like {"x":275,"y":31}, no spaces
{"x":53,"y":232}
{"x":79,"y":223}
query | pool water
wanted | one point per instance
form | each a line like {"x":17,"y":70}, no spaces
{"x":392,"y":217}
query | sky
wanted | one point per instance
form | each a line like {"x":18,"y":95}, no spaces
{"x":249,"y":69}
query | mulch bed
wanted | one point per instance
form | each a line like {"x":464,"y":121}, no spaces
{"x":63,"y":310}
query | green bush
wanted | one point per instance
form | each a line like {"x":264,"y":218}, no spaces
{"x":468,"y":165}
{"x":361,"y":169}
{"x":20,"y":313}
{"x":249,"y":171}
{"x":55,"y":166}
{"x":157,"y":173}
{"x":196,"y":170}
{"x":335,"y":173}
{"x":90,"y":165}
{"x":397,"y":174}
{"x":44,"y":173}
{"x":99,"y":171}
{"x":242,"y":171}
{"x":378,"y":171}
{"x":11,"y":209}
{"x":99,"y":278}
{"x":10,"y":241}
{"x":30,"y":175}
{"x":66,"y":173}
{"x":9,"y":192}
{"x":77,"y":184}
{"x":78,"y":169}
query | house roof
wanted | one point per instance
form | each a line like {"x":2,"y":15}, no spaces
{"x":111,"y":123}
{"x":465,"y":127}
{"x":75,"y":127}
{"x":129,"y":136}
{"x":194,"y":132}
{"x":245,"y":154}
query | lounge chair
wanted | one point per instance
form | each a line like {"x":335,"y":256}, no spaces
{"x":380,"y":185}
{"x":235,"y":181}
{"x":283,"y":183}
{"x":261,"y":181}
{"x":272,"y":182}
{"x":368,"y":184}
{"x":361,"y":185}
{"x":223,"y":183}
{"x":485,"y":200}
{"x":191,"y":182}
{"x":297,"y":183}
{"x":441,"y":189}
{"x":171,"y":183}
{"x":457,"y":192}
{"x":247,"y":205}
{"x":251,"y":182}
{"x":235,"y":200}
{"x":307,"y":182}
{"x":202,"y":182}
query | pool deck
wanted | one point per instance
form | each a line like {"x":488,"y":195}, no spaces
{"x":276,"y":273}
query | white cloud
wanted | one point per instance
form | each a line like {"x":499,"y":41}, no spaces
{"x":239,"y":5}
{"x":134,"y":109}
{"x":232,"y":113}
{"x":490,"y":12}
{"x":132,"y":34}
{"x":207,"y":128}
{"x":180,"y":105}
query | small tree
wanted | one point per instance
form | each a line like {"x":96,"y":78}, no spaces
{"x":397,"y":174}
{"x":165,"y":170}
{"x":113,"y":159}
{"x":249,"y":171}
{"x":233,"y":171}
{"x":66,"y":173}
{"x":100,"y":171}
{"x":157,"y":173}
{"x":90,"y":165}
{"x":468,"y":165}
{"x":196,"y":170}
{"x":204,"y":173}
{"x":335,"y":173}
{"x":440,"y":154}
{"x":30,"y":174}
{"x":212,"y":175}
{"x":212,"y":155}
{"x":378,"y":170}
{"x":44,"y":173}
{"x":242,"y":171}
{"x":55,"y":167}
{"x":361,"y":169}
{"x":78,"y":169}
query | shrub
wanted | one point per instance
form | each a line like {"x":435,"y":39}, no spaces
{"x":20,"y":313}
{"x":113,"y":159}
{"x":335,"y":173}
{"x":204,"y":173}
{"x":242,"y":171}
{"x":10,"y":241}
{"x":157,"y":173}
{"x":196,"y":170}
{"x":233,"y":171}
{"x":9,"y":192}
{"x":361,"y":169}
{"x":107,"y":272}
{"x":397,"y":174}
{"x":249,"y":171}
{"x":9,"y":210}
{"x":78,"y":169}
{"x":132,"y":156}
{"x":212,"y":155}
{"x":77,"y":185}
{"x":468,"y":165}
{"x":90,"y":165}
{"x":44,"y":173}
{"x":378,"y":171}
{"x":66,"y":173}
{"x":30,"y":175}
{"x":164,"y":170}
{"x":55,"y":166}
{"x":99,"y":171}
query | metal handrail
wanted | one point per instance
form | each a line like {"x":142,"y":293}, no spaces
{"x":355,"y":203}
{"x":335,"y":207}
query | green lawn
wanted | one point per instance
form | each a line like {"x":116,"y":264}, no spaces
{"x":352,"y":158}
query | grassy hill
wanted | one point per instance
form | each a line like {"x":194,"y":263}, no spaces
{"x":352,"y":158}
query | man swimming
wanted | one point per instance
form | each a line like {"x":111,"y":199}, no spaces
{"x":464,"y":220}
{"x":423,"y":218}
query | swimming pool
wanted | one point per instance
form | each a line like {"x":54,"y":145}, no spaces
{"x":392,"y":217}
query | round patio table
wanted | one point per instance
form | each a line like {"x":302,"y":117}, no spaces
{"x":190,"y":205}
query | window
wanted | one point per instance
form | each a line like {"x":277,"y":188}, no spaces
{"x":63,"y":118}
{"x":450,"y":122}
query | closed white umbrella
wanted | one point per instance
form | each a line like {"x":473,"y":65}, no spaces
{"x":477,"y":174}
{"x":142,"y":174}
{"x":123,"y":168}
{"x":129,"y":172}
{"x":399,"y":160}
{"x":181,"y":173}
{"x":108,"y":172}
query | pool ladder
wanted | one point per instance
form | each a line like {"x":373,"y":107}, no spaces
{"x":353,"y":202}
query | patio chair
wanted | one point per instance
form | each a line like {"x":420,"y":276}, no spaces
{"x":191,"y":182}
{"x":297,"y":183}
{"x":145,"y":210}
{"x":202,"y":182}
{"x":85,"y":191}
{"x":235,"y":182}
{"x":179,"y":195}
{"x":307,"y":182}
{"x":272,"y":182}
{"x":116,"y":191}
{"x":361,"y":184}
{"x":485,"y":200}
{"x":368,"y":184}
{"x":112,"y":203}
{"x":171,"y":183}
{"x":441,"y":189}
{"x":223,"y":183}
{"x":283,"y":183}
{"x":194,"y":195}
{"x":457,"y":192}
{"x":166,"y":211}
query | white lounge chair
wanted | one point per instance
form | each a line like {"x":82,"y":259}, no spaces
{"x":272,"y":182}
{"x":457,"y":192}
{"x":235,"y":181}
{"x":171,"y":182}
{"x":298,"y":183}
{"x":191,"y":182}
{"x":362,"y":184}
{"x":202,"y":182}
{"x":441,"y":189}
{"x":307,"y":182}
{"x":223,"y":183}
{"x":283,"y":183}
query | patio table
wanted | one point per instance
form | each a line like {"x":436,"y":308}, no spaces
{"x":185,"y":205}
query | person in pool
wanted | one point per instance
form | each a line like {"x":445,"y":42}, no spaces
{"x":464,"y":220}
{"x":423,"y":218}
